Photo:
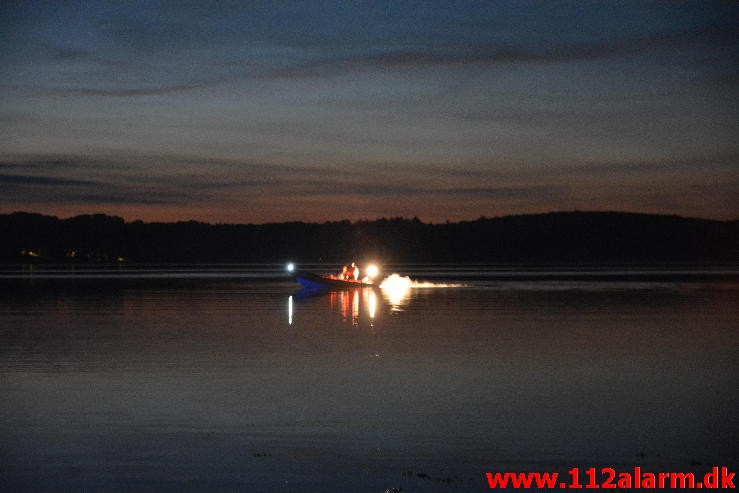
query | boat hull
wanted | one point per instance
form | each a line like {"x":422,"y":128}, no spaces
{"x":315,"y":282}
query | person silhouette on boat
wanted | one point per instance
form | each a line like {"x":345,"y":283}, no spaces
{"x":350,"y":273}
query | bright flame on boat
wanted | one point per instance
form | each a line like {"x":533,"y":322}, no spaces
{"x":395,"y":289}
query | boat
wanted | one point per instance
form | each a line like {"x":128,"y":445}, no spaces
{"x":312,"y":281}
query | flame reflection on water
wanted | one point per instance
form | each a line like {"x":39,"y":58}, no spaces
{"x":354,"y":305}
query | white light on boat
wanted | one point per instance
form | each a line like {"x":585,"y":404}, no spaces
{"x":290,"y":267}
{"x":372,"y":271}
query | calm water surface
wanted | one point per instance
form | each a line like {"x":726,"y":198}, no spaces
{"x":231,"y":379}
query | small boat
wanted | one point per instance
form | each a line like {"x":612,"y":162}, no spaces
{"x":316,"y":281}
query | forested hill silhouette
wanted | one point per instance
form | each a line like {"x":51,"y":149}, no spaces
{"x":558,"y":237}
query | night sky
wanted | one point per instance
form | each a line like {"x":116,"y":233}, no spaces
{"x":254,"y":112}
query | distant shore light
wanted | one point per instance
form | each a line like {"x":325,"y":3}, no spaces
{"x":290,"y":267}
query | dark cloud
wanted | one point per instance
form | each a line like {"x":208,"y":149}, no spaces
{"x":719,"y":162}
{"x":503,"y":192}
{"x":48,"y":190}
{"x":54,"y":180}
{"x":129,"y":198}
{"x":71,"y":164}
{"x":510,"y":54}
{"x":42,"y":180}
{"x":131,"y":92}
{"x":49,"y":164}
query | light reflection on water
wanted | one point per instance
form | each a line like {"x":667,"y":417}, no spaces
{"x":191,"y":386}
{"x":354,"y":306}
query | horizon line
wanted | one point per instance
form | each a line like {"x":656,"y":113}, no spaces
{"x":397,"y":217}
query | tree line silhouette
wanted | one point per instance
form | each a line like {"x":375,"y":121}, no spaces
{"x":558,"y":237}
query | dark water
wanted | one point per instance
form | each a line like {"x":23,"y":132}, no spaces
{"x":229,"y":379}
